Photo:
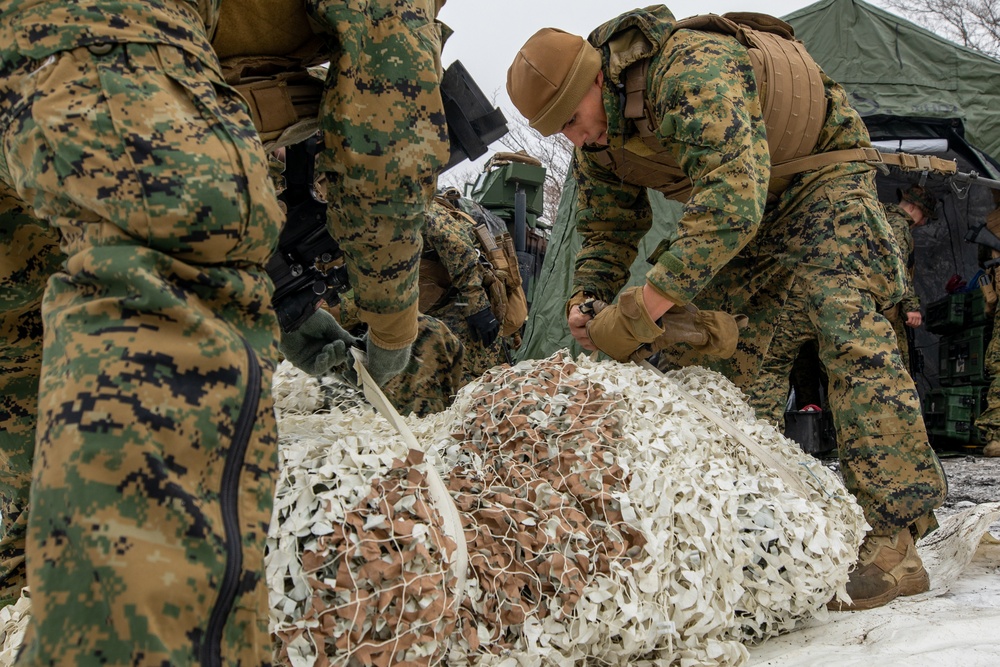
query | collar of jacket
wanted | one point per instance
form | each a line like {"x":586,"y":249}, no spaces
{"x":622,"y":41}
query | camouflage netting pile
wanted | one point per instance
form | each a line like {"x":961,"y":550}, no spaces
{"x":606,"y":520}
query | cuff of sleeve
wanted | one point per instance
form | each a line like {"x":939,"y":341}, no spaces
{"x":477,"y":302}
{"x":665,"y":281}
{"x":576,"y":300}
{"x":392,"y":331}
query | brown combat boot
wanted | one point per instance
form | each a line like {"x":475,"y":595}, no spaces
{"x":887,"y":568}
{"x":992,"y":449}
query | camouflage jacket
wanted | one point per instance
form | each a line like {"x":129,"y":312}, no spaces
{"x":704,"y":99}
{"x":900,"y":221}
{"x":384,"y":141}
{"x":452,"y":241}
{"x":39,"y":28}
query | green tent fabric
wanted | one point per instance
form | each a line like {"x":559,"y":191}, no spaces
{"x":907,"y":83}
{"x":546,"y":330}
{"x":895,"y":68}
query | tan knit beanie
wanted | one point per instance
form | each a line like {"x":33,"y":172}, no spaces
{"x":549,"y":77}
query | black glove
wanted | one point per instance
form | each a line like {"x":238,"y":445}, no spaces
{"x":318,"y":345}
{"x":484,"y":326}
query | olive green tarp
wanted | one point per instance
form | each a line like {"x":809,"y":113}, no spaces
{"x":908,"y":84}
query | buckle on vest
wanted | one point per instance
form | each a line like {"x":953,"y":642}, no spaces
{"x":872,"y":155}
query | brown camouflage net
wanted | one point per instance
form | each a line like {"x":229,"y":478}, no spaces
{"x":378,"y":591}
{"x":540,"y":513}
{"x":606,"y":522}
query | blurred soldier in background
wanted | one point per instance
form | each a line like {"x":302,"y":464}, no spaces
{"x":988,"y":422}
{"x":476,"y":291}
{"x":915,"y":208}
{"x":137,"y":218}
{"x":472,"y":306}
{"x":780,"y":222}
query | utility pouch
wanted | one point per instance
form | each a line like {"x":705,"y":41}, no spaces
{"x":284,"y":107}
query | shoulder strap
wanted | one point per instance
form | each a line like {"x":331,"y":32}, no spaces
{"x":873,"y":156}
{"x":731,"y":23}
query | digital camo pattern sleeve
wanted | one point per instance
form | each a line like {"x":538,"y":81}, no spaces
{"x":612,"y":217}
{"x":38,"y":28}
{"x":899,"y":222}
{"x":702,"y":91}
{"x":385,"y":136}
{"x":458,"y":253}
{"x":704,"y":97}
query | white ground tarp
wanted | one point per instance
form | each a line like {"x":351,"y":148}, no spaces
{"x":955,"y":624}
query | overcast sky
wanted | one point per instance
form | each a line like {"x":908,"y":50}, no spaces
{"x":488,"y":34}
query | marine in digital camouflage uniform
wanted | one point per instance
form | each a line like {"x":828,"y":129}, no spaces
{"x":822,"y":239}
{"x":454,"y":247}
{"x":914,"y":210}
{"x":445,"y":355}
{"x":153,"y":471}
{"x":988,"y":422}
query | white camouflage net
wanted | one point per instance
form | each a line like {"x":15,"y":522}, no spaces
{"x":606,"y":521}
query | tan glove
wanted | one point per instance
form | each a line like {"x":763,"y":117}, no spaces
{"x":620,"y":329}
{"x":710,"y":332}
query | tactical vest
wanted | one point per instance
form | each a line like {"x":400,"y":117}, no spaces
{"x":501,"y":276}
{"x":269,"y":51}
{"x":266,"y":48}
{"x":792,"y":97}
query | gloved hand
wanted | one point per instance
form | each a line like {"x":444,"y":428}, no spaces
{"x":711,"y":332}
{"x":319,"y":345}
{"x":383,"y":365}
{"x":484,"y":326}
{"x":619,"y":329}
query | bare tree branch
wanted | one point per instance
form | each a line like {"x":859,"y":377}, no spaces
{"x":555,"y":153}
{"x":971,"y":23}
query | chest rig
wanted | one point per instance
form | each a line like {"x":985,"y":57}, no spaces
{"x":792,"y":97}
{"x":266,"y":48}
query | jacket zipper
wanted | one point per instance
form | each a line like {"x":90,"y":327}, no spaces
{"x":211,"y":648}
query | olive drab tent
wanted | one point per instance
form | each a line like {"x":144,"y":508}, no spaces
{"x":918,"y":93}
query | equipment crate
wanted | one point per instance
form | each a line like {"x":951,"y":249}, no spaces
{"x":946,"y":315}
{"x":975,"y":309}
{"x":951,"y":412}
{"x":962,"y":356}
{"x":956,"y":312}
{"x":495,"y":189}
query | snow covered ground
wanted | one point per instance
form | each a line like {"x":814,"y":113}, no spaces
{"x":956,"y":623}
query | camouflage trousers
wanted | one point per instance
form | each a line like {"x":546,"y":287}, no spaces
{"x":792,"y":286}
{"x":989,"y":421}
{"x":430,"y":381}
{"x":150,"y":469}
{"x":885,"y":457}
{"x":897,"y":318}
